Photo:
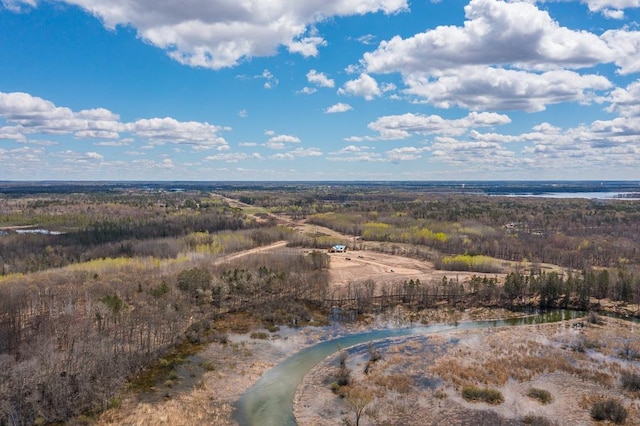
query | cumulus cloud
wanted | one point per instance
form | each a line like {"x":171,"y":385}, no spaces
{"x":298,"y":152}
{"x":29,"y":114}
{"x":626,"y":45}
{"x":495,"y":32}
{"x":405,"y":125}
{"x":220,"y":33}
{"x":337,"y":108}
{"x":407,"y":153}
{"x":320,"y":79}
{"x":487,"y":88}
{"x":162,"y":130}
{"x":365,"y":86}
{"x":233,"y":157}
{"x":626,"y":101}
{"x":280,"y":141}
{"x":352,"y":154}
{"x":489,"y":154}
{"x":506,"y":55}
{"x":611,"y":8}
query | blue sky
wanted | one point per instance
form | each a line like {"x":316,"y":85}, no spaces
{"x":319,"y":90}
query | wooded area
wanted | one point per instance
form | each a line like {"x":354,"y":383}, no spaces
{"x":96,"y":285}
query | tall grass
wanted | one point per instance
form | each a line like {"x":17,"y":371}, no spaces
{"x":465,"y":262}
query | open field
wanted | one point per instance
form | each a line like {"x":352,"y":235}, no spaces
{"x":385,"y":269}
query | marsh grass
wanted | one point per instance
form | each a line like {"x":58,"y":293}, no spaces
{"x":609,"y":409}
{"x":488,"y":395}
{"x":630,"y":381}
{"x":400,"y":383}
{"x":541,"y":395}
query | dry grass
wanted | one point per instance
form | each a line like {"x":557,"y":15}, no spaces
{"x":509,"y":361}
{"x":196,"y":407}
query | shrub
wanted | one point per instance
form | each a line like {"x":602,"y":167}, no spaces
{"x":543,"y":396}
{"x":462,"y":262}
{"x":259,"y":335}
{"x":208,"y":365}
{"x":273,"y":328}
{"x":535,"y":420}
{"x":630,"y":381}
{"x":114,"y":403}
{"x":488,"y":395}
{"x":594,"y":318}
{"x":343,"y":376}
{"x":609,"y":409}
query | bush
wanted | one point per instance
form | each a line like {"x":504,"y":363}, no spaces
{"x":609,"y":409}
{"x":488,"y":395}
{"x":535,"y":420}
{"x":208,"y":365}
{"x":543,"y":396}
{"x":259,"y":335}
{"x":630,"y":381}
{"x":593,"y":318}
{"x":273,"y":328}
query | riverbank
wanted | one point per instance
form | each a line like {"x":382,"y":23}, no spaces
{"x":206,"y":389}
{"x":421,"y":380}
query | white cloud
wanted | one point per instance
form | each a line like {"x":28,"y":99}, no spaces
{"x":162,"y":130}
{"x":220,"y":33}
{"x":367,"y":39}
{"x":609,"y":5}
{"x":626,"y":101}
{"x":407,"y":153}
{"x":365,"y":86}
{"x":356,"y":156}
{"x":405,"y":125}
{"x":503,"y":89}
{"x":307,"y":91}
{"x":495,"y":32}
{"x":280,"y":141}
{"x":18,"y":5}
{"x":285,"y":139}
{"x":233,"y":157}
{"x":506,"y":55}
{"x":626,"y":45}
{"x":486,"y":154}
{"x":613,"y":13}
{"x":337,"y":108}
{"x":33,"y":115}
{"x":270,"y":80}
{"x":307,"y":46}
{"x":298,"y":152}
{"x":320,"y":79}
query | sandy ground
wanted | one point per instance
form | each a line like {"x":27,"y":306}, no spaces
{"x":384,"y":269}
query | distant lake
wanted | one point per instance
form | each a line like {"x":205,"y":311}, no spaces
{"x":37,"y":231}
{"x":587,"y":195}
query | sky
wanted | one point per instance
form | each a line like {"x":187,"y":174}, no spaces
{"x":319,"y":90}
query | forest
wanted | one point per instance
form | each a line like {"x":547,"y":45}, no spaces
{"x":100,"y":283}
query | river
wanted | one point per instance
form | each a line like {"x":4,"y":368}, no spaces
{"x":269,"y":402}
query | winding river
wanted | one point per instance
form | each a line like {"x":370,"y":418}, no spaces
{"x":269,"y":402}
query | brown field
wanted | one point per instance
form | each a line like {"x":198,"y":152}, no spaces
{"x":418,"y":380}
